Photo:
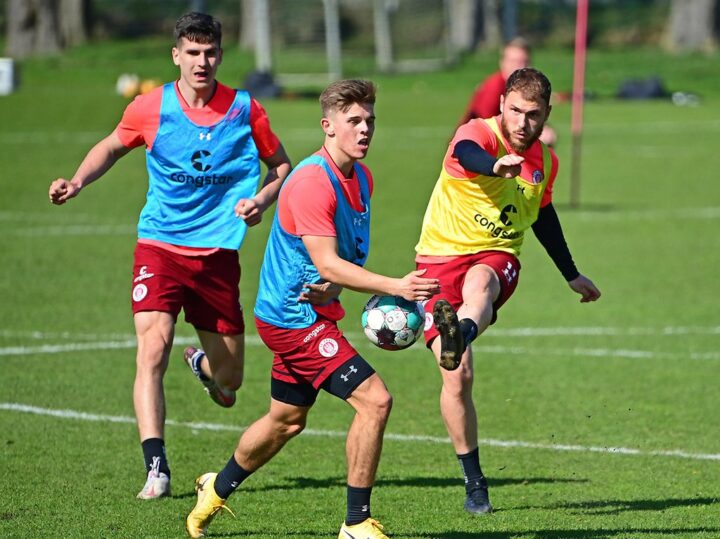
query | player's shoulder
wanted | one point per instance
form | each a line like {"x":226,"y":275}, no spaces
{"x":477,"y":130}
{"x":148,"y":102}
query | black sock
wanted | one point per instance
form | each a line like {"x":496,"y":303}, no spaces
{"x":358,"y":505}
{"x":154,"y":454}
{"x":469,"y":330}
{"x":230,"y":478}
{"x":470,"y":465}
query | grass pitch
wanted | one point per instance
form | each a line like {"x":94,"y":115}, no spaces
{"x":598,"y":421}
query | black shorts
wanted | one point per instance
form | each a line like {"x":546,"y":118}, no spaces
{"x":341,"y":383}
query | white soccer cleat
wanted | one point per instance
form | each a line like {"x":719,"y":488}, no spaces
{"x":157,"y":484}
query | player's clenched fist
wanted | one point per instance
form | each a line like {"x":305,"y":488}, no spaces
{"x":62,"y":190}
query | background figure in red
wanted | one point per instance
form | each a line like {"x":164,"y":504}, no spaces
{"x":485,"y":101}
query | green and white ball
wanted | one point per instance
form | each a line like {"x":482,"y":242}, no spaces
{"x":392,"y":322}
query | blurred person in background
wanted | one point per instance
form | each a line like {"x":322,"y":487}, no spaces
{"x":485,"y":101}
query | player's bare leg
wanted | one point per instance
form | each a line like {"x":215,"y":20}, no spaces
{"x":225,"y":358}
{"x":155,"y":331}
{"x":263,"y":439}
{"x":258,"y":444}
{"x":218,"y":365}
{"x":456,"y":403}
{"x":480,"y":290}
{"x":372,"y":403}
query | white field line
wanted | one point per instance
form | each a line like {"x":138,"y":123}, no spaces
{"x":102,"y":418}
{"x":127,"y":341}
{"x":253,"y":340}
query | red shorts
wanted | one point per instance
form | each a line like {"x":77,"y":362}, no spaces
{"x":308,"y":355}
{"x":205,"y":286}
{"x":452,"y":279}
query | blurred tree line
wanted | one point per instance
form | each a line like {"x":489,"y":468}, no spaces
{"x":38,"y":27}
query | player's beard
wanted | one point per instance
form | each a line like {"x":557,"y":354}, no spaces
{"x":519,"y":147}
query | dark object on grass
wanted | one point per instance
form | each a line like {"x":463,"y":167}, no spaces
{"x":651,"y":88}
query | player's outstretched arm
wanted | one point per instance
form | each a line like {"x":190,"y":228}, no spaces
{"x":323,"y":252}
{"x":475,"y":158}
{"x":97,"y":162}
{"x":585,"y":287}
{"x":251,"y":209}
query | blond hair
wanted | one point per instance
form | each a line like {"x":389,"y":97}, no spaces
{"x":343,"y":94}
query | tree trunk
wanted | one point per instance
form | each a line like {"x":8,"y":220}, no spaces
{"x":32,"y":28}
{"x":690,"y":25}
{"x":247,"y":25}
{"x":465,"y":27}
{"x":73,"y":21}
{"x":492,"y":35}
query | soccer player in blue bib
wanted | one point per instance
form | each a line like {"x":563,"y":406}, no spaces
{"x":318,"y":245}
{"x":204,"y":143}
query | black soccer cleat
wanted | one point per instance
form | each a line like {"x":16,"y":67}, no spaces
{"x":452,"y":344}
{"x":477,"y":501}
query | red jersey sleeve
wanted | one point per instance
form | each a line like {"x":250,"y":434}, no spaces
{"x":477,"y":131}
{"x":307,"y":203}
{"x":266,"y":141}
{"x":141,"y":119}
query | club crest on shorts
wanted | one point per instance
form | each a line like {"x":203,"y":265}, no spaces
{"x":328,"y":347}
{"x":139,"y":292}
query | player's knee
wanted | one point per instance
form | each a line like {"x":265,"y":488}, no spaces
{"x":292,"y":428}
{"x":152,"y":355}
{"x":380,"y":405}
{"x":459,"y":385}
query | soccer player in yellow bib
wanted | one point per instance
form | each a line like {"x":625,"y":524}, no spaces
{"x":495,"y":183}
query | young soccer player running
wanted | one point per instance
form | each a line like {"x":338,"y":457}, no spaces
{"x":204,"y":142}
{"x":318,"y":244}
{"x":495,"y":183}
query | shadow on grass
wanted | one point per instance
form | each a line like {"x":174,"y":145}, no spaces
{"x":615,"y":507}
{"x":564,"y":534}
{"x":535,"y":534}
{"x":295,"y":483}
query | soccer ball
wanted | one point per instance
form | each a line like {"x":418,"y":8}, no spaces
{"x":392,"y":322}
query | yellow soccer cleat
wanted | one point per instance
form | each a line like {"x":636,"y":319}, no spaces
{"x":207,"y":506}
{"x":367,"y":529}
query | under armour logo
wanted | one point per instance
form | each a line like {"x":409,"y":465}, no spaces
{"x":346,"y":377}
{"x":205,"y":136}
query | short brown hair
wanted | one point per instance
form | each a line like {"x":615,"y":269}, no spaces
{"x":198,"y":27}
{"x":532,"y":84}
{"x":343,"y":94}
